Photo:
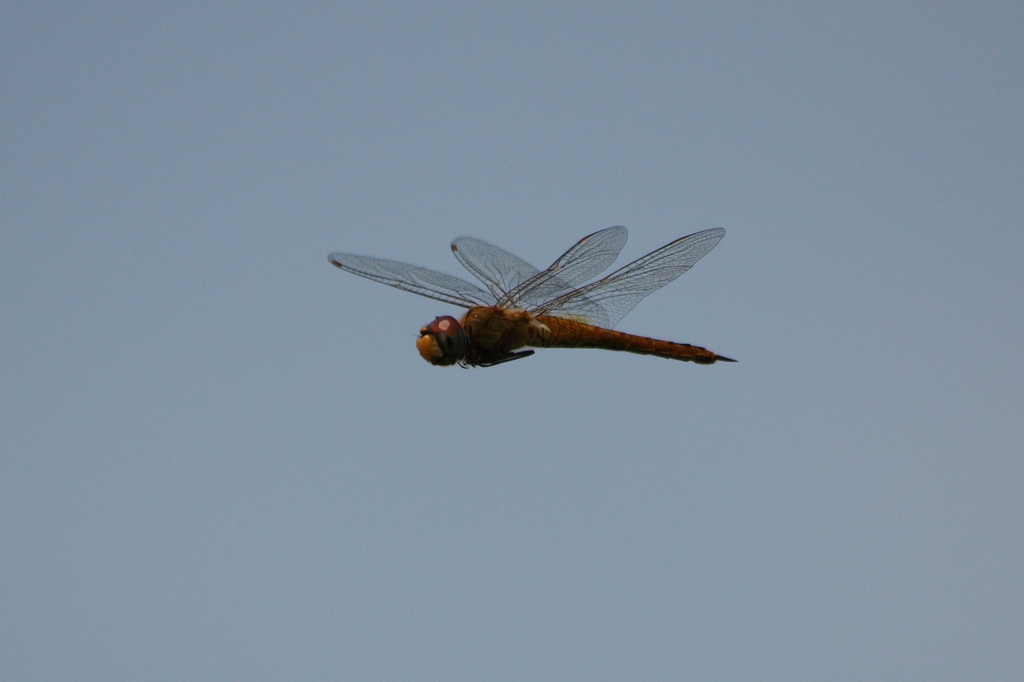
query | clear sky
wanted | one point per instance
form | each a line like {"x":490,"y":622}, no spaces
{"x":222,"y":458}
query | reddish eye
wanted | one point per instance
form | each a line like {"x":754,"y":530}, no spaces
{"x":442,"y":342}
{"x":444,"y":325}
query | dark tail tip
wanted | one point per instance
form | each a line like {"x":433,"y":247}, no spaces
{"x":722,"y":358}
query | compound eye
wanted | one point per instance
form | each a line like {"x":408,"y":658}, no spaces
{"x":444,"y":325}
{"x":442,"y":342}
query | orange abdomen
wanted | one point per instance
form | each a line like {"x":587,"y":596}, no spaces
{"x":571,"y":334}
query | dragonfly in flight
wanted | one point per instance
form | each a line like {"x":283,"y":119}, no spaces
{"x":526,"y":307}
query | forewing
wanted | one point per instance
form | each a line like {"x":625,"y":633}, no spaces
{"x":498,"y":269}
{"x":620,"y":291}
{"x":588,"y":257}
{"x":429,"y":283}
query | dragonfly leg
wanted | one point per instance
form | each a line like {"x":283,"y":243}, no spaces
{"x":508,"y":357}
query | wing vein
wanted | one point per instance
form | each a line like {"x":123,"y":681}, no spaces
{"x":422,"y":281}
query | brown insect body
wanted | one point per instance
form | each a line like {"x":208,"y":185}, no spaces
{"x":572,"y":334}
{"x":523,"y":307}
{"x":494,"y":333}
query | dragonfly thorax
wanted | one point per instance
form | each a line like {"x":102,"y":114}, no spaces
{"x":443,"y":341}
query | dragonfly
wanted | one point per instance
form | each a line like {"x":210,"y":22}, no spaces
{"x":522,"y":307}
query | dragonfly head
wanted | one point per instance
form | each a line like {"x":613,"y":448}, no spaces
{"x":443,"y":342}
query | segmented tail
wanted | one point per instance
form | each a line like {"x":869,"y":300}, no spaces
{"x":571,"y":334}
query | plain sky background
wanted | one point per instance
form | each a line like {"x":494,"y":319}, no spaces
{"x":222,"y":458}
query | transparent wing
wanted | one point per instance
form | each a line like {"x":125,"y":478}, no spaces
{"x":607,"y":300}
{"x":498,"y":269}
{"x":587,"y":258}
{"x":514,"y":282}
{"x":429,"y":283}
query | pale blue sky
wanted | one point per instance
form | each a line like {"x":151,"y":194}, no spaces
{"x":221,"y":458}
